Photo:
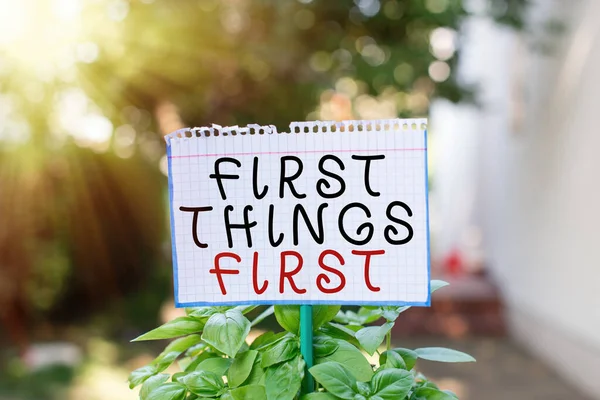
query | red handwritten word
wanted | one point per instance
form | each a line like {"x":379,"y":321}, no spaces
{"x":291,"y":264}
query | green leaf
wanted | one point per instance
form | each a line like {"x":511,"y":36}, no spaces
{"x":371,"y":337}
{"x":430,"y":384}
{"x":420,"y":377}
{"x":199,"y":358}
{"x":163,"y":361}
{"x":391,"y":359}
{"x":284,"y":349}
{"x":244,"y":347}
{"x":139,"y":376}
{"x":400,"y":310}
{"x":358,"y":319}
{"x":226,"y":332}
{"x":441,"y":354}
{"x":203,"y":313}
{"x":352,"y":358}
{"x":363,"y":388}
{"x":427,"y":393}
{"x":392,"y":384}
{"x":341,"y":318}
{"x":152,"y":383}
{"x":175,"y":377}
{"x":409,"y":357}
{"x":289,"y":316}
{"x":368,"y":316}
{"x":245,"y":309}
{"x":282,"y":381}
{"x":437,"y":284}
{"x":184,"y":363}
{"x":174,"y":350}
{"x":198,"y":349}
{"x":168,"y":391}
{"x":265,"y":314}
{"x":354,"y":328}
{"x":240,"y":368}
{"x":247,"y":393}
{"x":371,"y":307}
{"x":203,"y":383}
{"x":266,"y":339}
{"x":323,"y":314}
{"x":216,"y":365}
{"x":336,"y":379}
{"x":257,"y":373}
{"x":175,"y":328}
{"x":319,"y":396}
{"x":182,"y":344}
{"x":338,"y":331}
{"x":390,"y":313}
{"x":324,"y":346}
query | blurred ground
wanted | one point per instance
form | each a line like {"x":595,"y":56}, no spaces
{"x":503,"y":371}
{"x":468,"y":316}
{"x":470,"y":306}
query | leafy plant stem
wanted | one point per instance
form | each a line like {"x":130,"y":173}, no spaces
{"x":309,"y":358}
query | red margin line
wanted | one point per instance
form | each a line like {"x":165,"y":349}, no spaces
{"x":296,"y":152}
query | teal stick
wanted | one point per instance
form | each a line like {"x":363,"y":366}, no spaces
{"x":306,"y":346}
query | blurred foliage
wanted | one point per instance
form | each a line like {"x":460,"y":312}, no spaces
{"x":87,"y":88}
{"x":78,"y":228}
{"x":238,"y":62}
{"x":50,"y":382}
{"x":269,"y":62}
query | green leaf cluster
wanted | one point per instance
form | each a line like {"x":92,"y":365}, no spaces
{"x":217,"y":361}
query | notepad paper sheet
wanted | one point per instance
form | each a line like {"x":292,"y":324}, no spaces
{"x":329,"y":213}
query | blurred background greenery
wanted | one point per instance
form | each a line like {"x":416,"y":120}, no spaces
{"x":88,"y":88}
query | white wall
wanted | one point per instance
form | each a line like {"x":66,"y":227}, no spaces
{"x":537,"y":191}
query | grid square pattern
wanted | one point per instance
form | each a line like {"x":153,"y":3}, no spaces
{"x":401,"y":274}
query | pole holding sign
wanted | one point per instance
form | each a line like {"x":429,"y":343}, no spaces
{"x":329,"y":213}
{"x":306,"y":346}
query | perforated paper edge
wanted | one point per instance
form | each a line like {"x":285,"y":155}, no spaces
{"x":379,"y":125}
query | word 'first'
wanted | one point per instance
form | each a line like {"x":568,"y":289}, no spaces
{"x":323,"y":280}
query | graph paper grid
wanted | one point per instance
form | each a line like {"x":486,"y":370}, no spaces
{"x":402,"y":274}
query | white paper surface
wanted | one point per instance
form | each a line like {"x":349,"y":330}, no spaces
{"x":401,"y":275}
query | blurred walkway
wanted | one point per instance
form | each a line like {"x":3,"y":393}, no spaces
{"x":503,"y":371}
{"x":469,"y":316}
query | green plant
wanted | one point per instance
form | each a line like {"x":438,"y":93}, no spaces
{"x":215,"y":360}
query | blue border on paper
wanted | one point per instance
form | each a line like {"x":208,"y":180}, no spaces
{"x":178,"y":304}
{"x":303,"y":302}
{"x":173,"y":246}
{"x":428,"y":302}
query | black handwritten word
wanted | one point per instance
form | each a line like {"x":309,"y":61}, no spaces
{"x":287,"y":178}
{"x":362,"y":235}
